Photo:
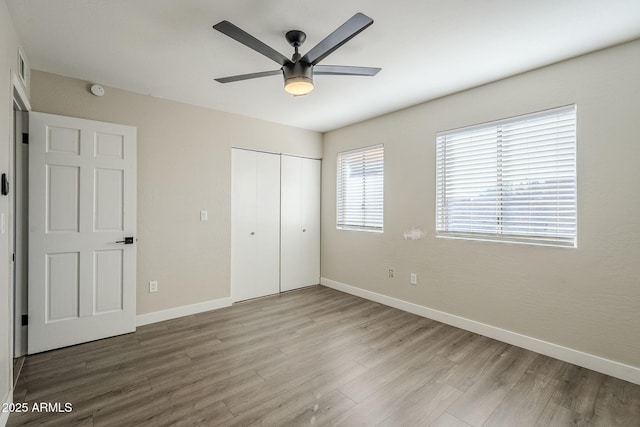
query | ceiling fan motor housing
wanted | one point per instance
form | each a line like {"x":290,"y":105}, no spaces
{"x":297,"y":73}
{"x":298,"y":69}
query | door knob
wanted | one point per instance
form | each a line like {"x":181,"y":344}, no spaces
{"x":126,"y":241}
{"x":253,"y":232}
{"x":304,"y":229}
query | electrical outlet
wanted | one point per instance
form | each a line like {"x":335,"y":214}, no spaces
{"x":414,"y":279}
{"x":153,"y":286}
{"x":204,"y":215}
{"x":391,"y":273}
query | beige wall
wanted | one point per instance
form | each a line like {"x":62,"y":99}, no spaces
{"x":587,"y":298}
{"x":184,"y":166}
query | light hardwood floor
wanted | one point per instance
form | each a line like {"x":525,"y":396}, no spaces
{"x":315,"y":357}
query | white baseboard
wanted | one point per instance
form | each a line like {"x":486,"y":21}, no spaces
{"x":4,"y":416}
{"x":576,"y":357}
{"x":185,"y":310}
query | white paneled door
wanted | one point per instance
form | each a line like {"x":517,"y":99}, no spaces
{"x":82,"y":228}
{"x":300,"y":222}
{"x":255,"y":224}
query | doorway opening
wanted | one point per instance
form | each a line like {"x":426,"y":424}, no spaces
{"x":18,"y":225}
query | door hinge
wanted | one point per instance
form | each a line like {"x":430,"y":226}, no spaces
{"x":13,"y":257}
{"x":25,"y":319}
{"x":25,"y":138}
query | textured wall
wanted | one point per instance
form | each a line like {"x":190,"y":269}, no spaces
{"x":184,"y":166}
{"x":586,"y":298}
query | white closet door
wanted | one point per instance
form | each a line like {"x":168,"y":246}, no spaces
{"x":291,"y":222}
{"x":255,"y":224}
{"x":310,"y":210}
{"x":300,"y":222}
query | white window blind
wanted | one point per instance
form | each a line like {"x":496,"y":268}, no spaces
{"x":512,"y":180}
{"x":360,"y":189}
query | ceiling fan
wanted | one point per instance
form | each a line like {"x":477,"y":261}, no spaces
{"x":298,"y":71}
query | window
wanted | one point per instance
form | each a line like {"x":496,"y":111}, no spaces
{"x":360,"y":189}
{"x":511,"y":180}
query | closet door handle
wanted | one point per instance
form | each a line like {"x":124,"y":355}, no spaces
{"x":304,"y":229}
{"x":253,"y":233}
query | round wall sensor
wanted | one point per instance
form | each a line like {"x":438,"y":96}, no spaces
{"x":97,"y":90}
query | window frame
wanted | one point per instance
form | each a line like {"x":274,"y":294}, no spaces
{"x":443,"y":213}
{"x":342,"y":221}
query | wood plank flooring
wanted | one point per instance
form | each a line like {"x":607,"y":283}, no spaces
{"x":315,"y":357}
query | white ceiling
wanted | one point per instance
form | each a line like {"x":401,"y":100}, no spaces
{"x":426,"y":48}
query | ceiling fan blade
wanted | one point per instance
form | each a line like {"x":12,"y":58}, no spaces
{"x":344,"y":70}
{"x":248,"y":76}
{"x":354,"y":26}
{"x":227,"y":28}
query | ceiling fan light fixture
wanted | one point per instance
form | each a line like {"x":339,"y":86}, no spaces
{"x":298,"y":78}
{"x":298,"y":86}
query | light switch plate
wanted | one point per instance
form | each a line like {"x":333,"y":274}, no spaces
{"x":204,"y":216}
